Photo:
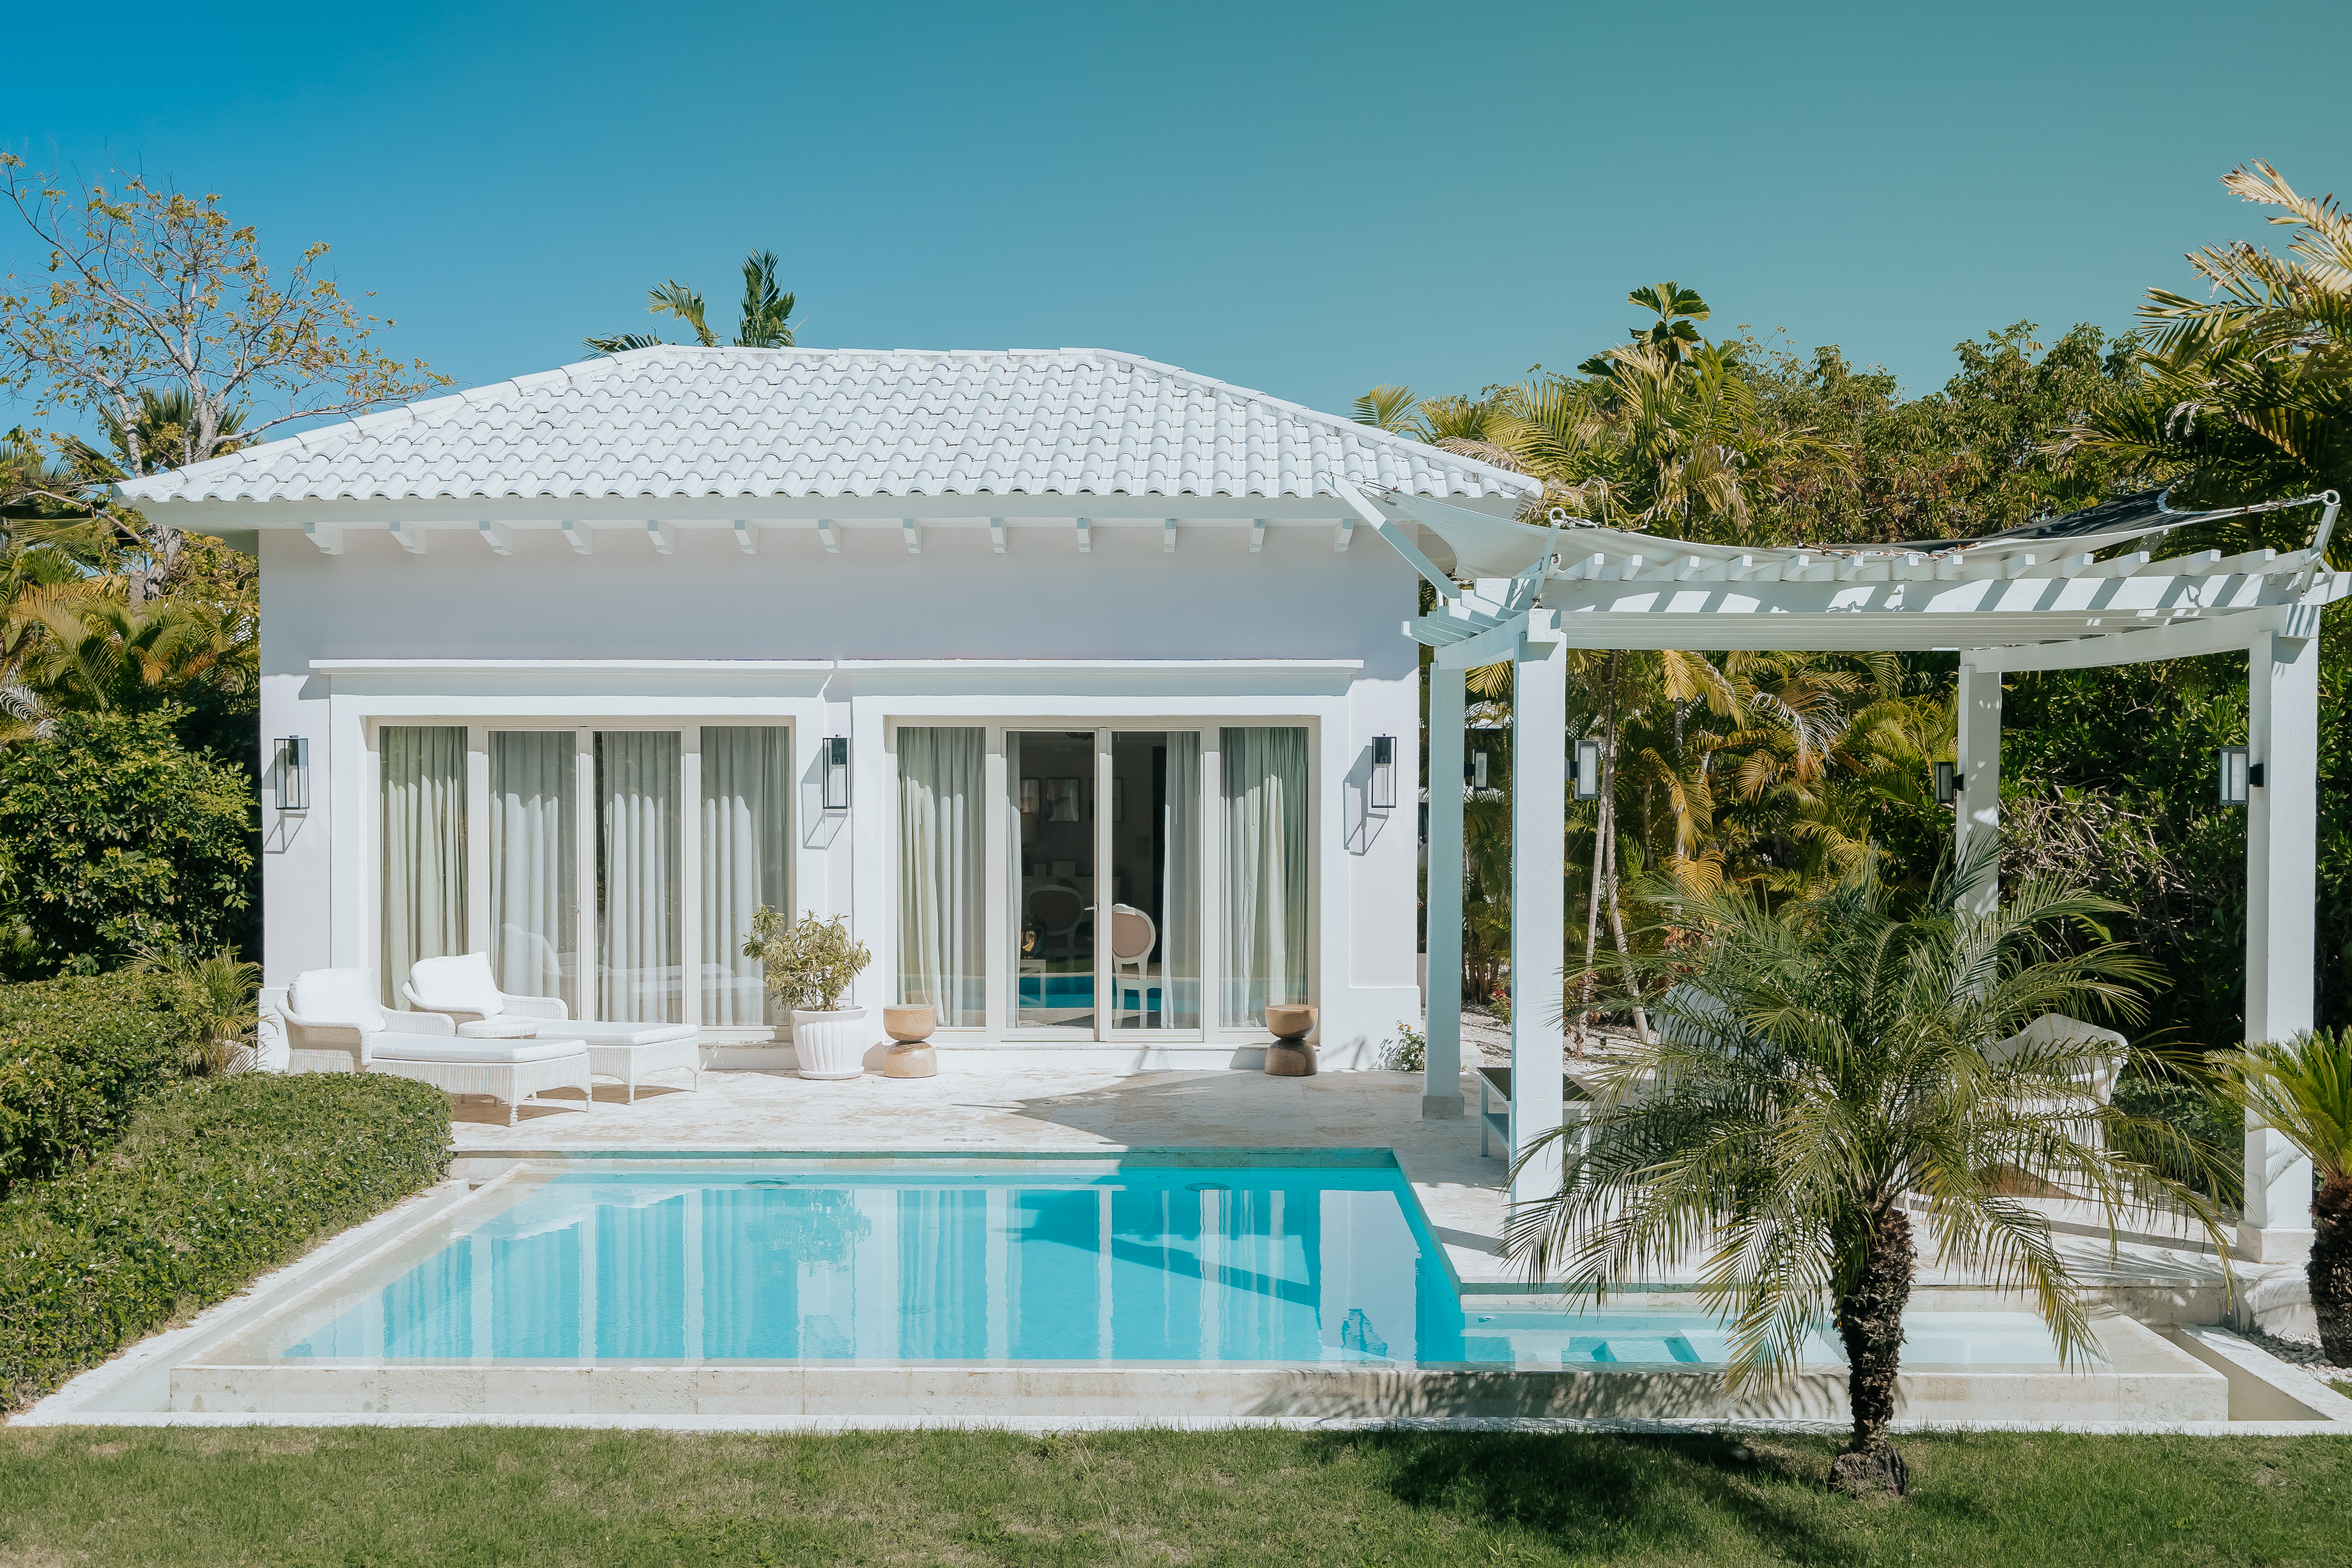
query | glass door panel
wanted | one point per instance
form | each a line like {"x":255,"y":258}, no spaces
{"x":942,"y":873}
{"x":423,"y":868}
{"x":746,"y":815}
{"x":1051,"y":778}
{"x":534,"y":865}
{"x":1264,"y":912}
{"x":640,"y":976}
{"x":1155,"y":837}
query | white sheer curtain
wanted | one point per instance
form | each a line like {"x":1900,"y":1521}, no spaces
{"x":423,"y":770}
{"x":638,"y":893}
{"x":745,"y":801}
{"x":1180,"y":891}
{"x":941,"y":881}
{"x":534,"y":865}
{"x":1266,"y":806}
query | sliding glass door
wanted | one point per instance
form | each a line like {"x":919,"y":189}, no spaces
{"x":1152,"y":936}
{"x":422,"y":872}
{"x":535,"y":864}
{"x":746,"y":848}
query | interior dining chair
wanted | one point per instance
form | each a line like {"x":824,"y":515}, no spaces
{"x":1058,"y":913}
{"x":1132,"y":937}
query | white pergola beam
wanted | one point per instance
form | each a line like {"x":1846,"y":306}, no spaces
{"x":326,"y":536}
{"x":996,"y":535}
{"x":1168,"y":535}
{"x":830,"y":532}
{"x":2282,"y":895}
{"x":1539,"y":906}
{"x":746,"y":537}
{"x":1257,"y":535}
{"x":664,"y":537}
{"x":411,"y":537}
{"x":912,"y":532}
{"x":1441,"y":1089}
{"x":1342,"y":534}
{"x":580,"y":537}
{"x":1085,"y":538}
{"x":499,"y":537}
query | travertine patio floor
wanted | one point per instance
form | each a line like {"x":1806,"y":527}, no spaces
{"x":975,"y":1106}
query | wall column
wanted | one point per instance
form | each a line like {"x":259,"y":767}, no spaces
{"x":1441,"y":1096}
{"x":2281,"y":899}
{"x":1976,"y":815}
{"x":1538,"y":898}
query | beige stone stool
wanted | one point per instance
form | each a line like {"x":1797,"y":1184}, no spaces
{"x":910,"y":1057}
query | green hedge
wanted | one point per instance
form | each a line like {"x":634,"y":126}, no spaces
{"x":76,"y":1056}
{"x":215,"y":1181}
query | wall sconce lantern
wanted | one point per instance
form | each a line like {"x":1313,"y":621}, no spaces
{"x":1381,"y":796}
{"x":1588,"y":770}
{"x":1948,"y":783}
{"x":837,"y":772}
{"x":294,"y":774}
{"x":2238,"y":775}
{"x":1474,"y":770}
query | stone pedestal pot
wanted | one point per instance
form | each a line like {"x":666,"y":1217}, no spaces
{"x":830,"y":1045}
{"x":909,"y":1057}
{"x":1290,"y":1056}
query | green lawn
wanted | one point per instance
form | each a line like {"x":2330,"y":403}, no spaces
{"x":484,"y":1495}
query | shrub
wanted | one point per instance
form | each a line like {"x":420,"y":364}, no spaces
{"x":77,"y":1055}
{"x":114,"y":837}
{"x":216,"y":1181}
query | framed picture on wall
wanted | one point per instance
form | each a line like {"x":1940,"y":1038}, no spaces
{"x":1032,"y":794}
{"x":1066,"y":799}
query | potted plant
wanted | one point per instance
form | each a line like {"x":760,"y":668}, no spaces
{"x":809,"y":964}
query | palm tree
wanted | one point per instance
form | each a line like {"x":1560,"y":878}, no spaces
{"x":2302,"y":1090}
{"x":2248,"y":389}
{"x":1821,"y":1069}
{"x":766,"y":312}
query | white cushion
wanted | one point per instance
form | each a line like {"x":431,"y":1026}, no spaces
{"x":499,"y":1029}
{"x":485,"y":1052}
{"x":462,"y":983}
{"x":336,"y":996}
{"x":600,"y":1031}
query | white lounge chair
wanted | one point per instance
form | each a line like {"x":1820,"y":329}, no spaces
{"x":461,"y":988}
{"x":334,"y":1024}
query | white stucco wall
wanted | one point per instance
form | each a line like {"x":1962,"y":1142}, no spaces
{"x":1295,"y":632}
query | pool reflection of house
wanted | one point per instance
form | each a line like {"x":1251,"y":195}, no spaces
{"x":1051,"y":670}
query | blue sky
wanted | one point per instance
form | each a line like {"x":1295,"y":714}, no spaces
{"x":1306,"y":199}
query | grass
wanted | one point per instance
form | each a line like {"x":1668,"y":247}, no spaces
{"x":362,"y":1498}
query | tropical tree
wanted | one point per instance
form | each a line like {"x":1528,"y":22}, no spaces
{"x":1818,"y":1069}
{"x":2246,"y":390}
{"x":766,"y":317}
{"x":156,"y":301}
{"x":2302,"y":1090}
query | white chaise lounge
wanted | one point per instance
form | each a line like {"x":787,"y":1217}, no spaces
{"x":334,"y":1024}
{"x":461,"y":988}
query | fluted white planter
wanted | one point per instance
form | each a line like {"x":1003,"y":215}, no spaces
{"x":830,"y":1045}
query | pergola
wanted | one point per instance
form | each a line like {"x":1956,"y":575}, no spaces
{"x":2033,"y":598}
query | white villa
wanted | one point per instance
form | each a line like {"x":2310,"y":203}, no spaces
{"x":580,"y":669}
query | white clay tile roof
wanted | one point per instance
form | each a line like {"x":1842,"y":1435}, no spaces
{"x":687,"y":422}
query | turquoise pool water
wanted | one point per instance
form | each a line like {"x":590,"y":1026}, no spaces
{"x":1159,"y":1265}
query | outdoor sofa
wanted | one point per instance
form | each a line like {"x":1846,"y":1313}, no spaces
{"x":334,"y":1024}
{"x":461,"y":988}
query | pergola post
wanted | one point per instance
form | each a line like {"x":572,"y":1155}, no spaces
{"x":1977,"y":812}
{"x":1441,"y":1095}
{"x":2282,"y":897}
{"x":1538,"y":898}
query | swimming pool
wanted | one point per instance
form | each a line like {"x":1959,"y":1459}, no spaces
{"x":915,"y":1262}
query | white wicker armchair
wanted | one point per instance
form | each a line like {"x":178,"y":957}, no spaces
{"x":333,"y":1024}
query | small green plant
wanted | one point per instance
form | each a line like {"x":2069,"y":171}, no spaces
{"x":809,"y":963}
{"x":1411,"y":1052}
{"x":2302,"y":1088}
{"x":221,"y":993}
